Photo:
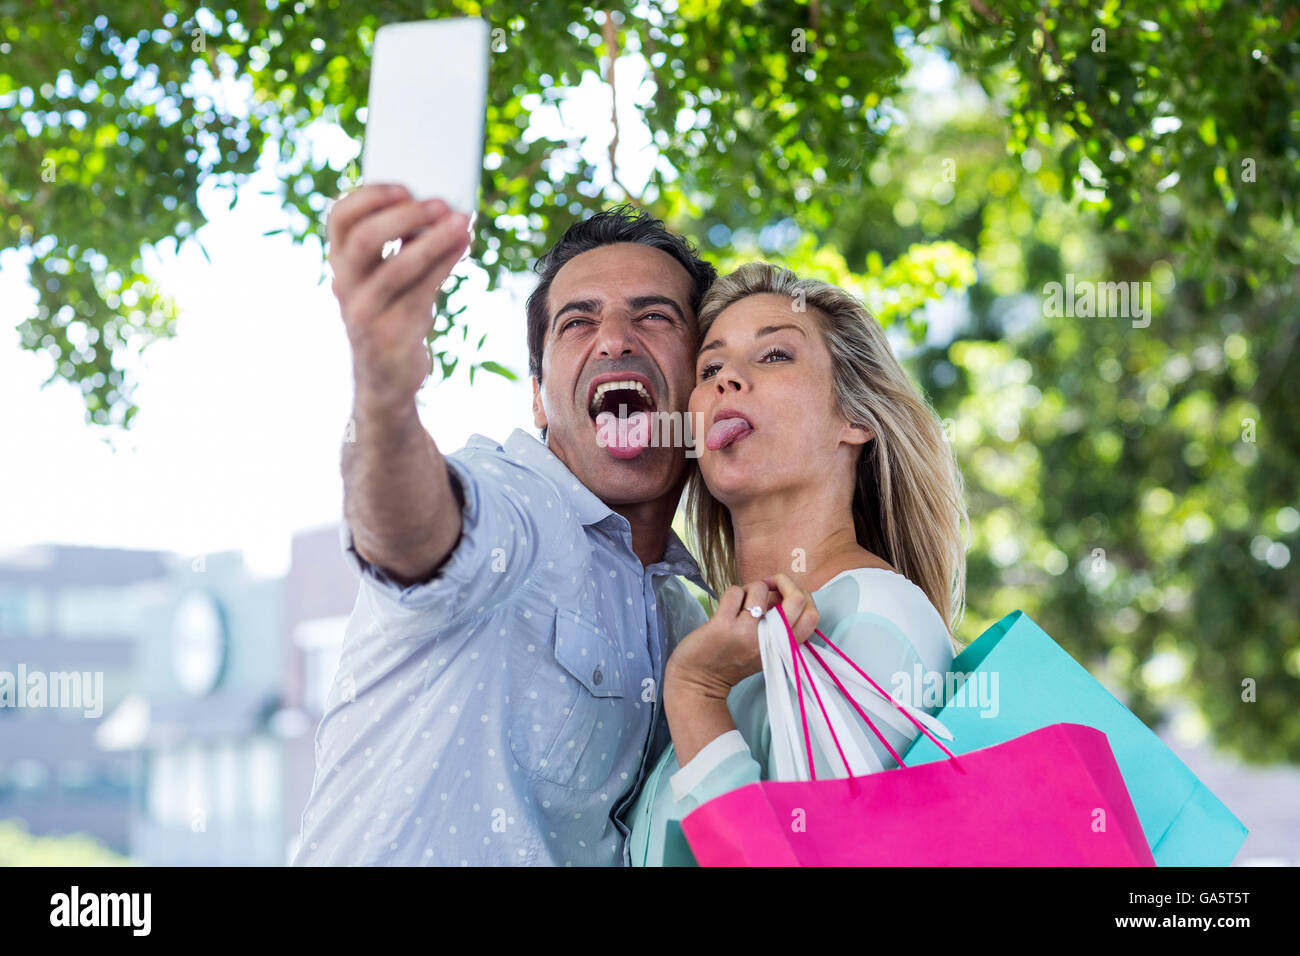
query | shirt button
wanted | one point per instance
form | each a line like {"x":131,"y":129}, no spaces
{"x":597,"y":677}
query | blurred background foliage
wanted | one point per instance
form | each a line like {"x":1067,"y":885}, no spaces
{"x":20,"y":848}
{"x":1133,"y":487}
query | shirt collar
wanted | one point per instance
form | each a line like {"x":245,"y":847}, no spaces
{"x":591,"y":510}
{"x":526,"y":448}
{"x":678,"y":560}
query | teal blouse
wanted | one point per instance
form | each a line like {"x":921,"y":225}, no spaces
{"x":883,"y":622}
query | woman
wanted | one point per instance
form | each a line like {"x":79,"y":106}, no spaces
{"x":826,"y":482}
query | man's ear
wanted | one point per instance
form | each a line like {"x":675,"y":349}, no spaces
{"x":539,"y":413}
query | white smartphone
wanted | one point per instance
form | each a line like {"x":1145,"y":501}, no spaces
{"x":427,"y":107}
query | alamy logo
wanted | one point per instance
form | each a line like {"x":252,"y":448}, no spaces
{"x":102,"y":909}
{"x":932,"y":690}
{"x":71,"y":689}
{"x":654,"y":429}
{"x":1086,"y":299}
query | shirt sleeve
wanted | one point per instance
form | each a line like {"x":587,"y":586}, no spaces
{"x":714,"y":753}
{"x":500,"y":545}
{"x":724,"y":764}
{"x":734,"y":759}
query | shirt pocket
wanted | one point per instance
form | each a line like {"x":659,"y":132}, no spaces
{"x":569,"y":725}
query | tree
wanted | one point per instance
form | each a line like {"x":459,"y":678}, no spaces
{"x":114,"y":123}
{"x":1110,"y":145}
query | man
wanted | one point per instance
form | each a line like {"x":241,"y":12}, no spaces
{"x":497,"y":694}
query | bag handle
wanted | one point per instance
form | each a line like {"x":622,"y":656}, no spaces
{"x":807,"y":742}
{"x":887,"y":715}
{"x":795,"y":649}
{"x":798,"y":659}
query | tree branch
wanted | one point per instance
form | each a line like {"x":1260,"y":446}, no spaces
{"x":1048,"y":40}
{"x":611,"y":44}
{"x":979,"y":7}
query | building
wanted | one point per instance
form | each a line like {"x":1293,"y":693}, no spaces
{"x":198,"y":688}
{"x":319,"y":596}
{"x":201,"y":719}
{"x":233,"y":672}
{"x":68,"y":627}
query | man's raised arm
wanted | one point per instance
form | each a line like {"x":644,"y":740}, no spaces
{"x":398,"y":498}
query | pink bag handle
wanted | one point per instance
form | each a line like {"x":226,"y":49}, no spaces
{"x":799,"y":659}
{"x":798,"y":686}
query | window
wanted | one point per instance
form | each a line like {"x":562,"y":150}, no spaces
{"x":24,"y":612}
{"x":97,"y":612}
{"x":28,"y":775}
{"x":197,"y":805}
{"x":228,"y":783}
{"x":166,"y":789}
{"x":321,"y":640}
{"x":264,"y":778}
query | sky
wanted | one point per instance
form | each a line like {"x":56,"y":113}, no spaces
{"x":237,"y":441}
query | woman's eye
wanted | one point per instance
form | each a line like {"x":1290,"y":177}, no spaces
{"x":709,"y":370}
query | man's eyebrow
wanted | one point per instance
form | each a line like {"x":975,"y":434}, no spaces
{"x":641,"y":301}
{"x":577,"y":305}
{"x":765,"y":330}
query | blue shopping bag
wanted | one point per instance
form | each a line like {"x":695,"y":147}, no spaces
{"x":1017,"y":679}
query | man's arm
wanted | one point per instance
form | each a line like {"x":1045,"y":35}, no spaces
{"x":399,"y":499}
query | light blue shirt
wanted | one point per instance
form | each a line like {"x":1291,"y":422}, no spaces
{"x":506,"y":711}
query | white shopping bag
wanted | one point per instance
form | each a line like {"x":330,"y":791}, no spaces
{"x":832,"y":730}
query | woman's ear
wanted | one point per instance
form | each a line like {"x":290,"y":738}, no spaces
{"x":856,"y":434}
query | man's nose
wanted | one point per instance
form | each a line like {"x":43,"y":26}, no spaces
{"x":615,"y":338}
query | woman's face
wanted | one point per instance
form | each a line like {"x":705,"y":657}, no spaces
{"x":765,"y":398}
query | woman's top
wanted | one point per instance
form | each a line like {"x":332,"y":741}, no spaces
{"x":884,"y":623}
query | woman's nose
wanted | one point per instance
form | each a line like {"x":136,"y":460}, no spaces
{"x":727,"y":381}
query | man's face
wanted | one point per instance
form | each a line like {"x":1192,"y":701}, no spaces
{"x":619,"y":313}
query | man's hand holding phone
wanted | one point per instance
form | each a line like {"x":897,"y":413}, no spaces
{"x":387,"y":303}
{"x":424,"y":131}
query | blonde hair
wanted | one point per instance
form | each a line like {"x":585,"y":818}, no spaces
{"x":908,"y":503}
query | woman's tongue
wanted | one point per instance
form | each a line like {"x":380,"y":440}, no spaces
{"x":623,"y":437}
{"x":723,"y":433}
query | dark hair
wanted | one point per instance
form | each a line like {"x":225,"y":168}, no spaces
{"x":624,"y":223}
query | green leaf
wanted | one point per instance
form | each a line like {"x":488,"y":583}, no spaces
{"x":497,"y":369}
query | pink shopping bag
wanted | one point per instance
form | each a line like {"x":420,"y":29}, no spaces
{"x":1053,"y":797}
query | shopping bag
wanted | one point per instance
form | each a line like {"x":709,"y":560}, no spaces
{"x":840,"y":734}
{"x":1037,"y":684}
{"x":1053,"y":797}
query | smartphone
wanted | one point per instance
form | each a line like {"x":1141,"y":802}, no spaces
{"x":427,"y":107}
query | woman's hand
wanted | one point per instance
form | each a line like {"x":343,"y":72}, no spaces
{"x":717,"y":656}
{"x":714,"y":658}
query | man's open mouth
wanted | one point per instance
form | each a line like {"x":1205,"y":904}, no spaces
{"x":621,"y":397}
{"x":622,"y":408}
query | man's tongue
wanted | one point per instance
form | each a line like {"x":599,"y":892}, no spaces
{"x":723,"y":433}
{"x":624,"y":437}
